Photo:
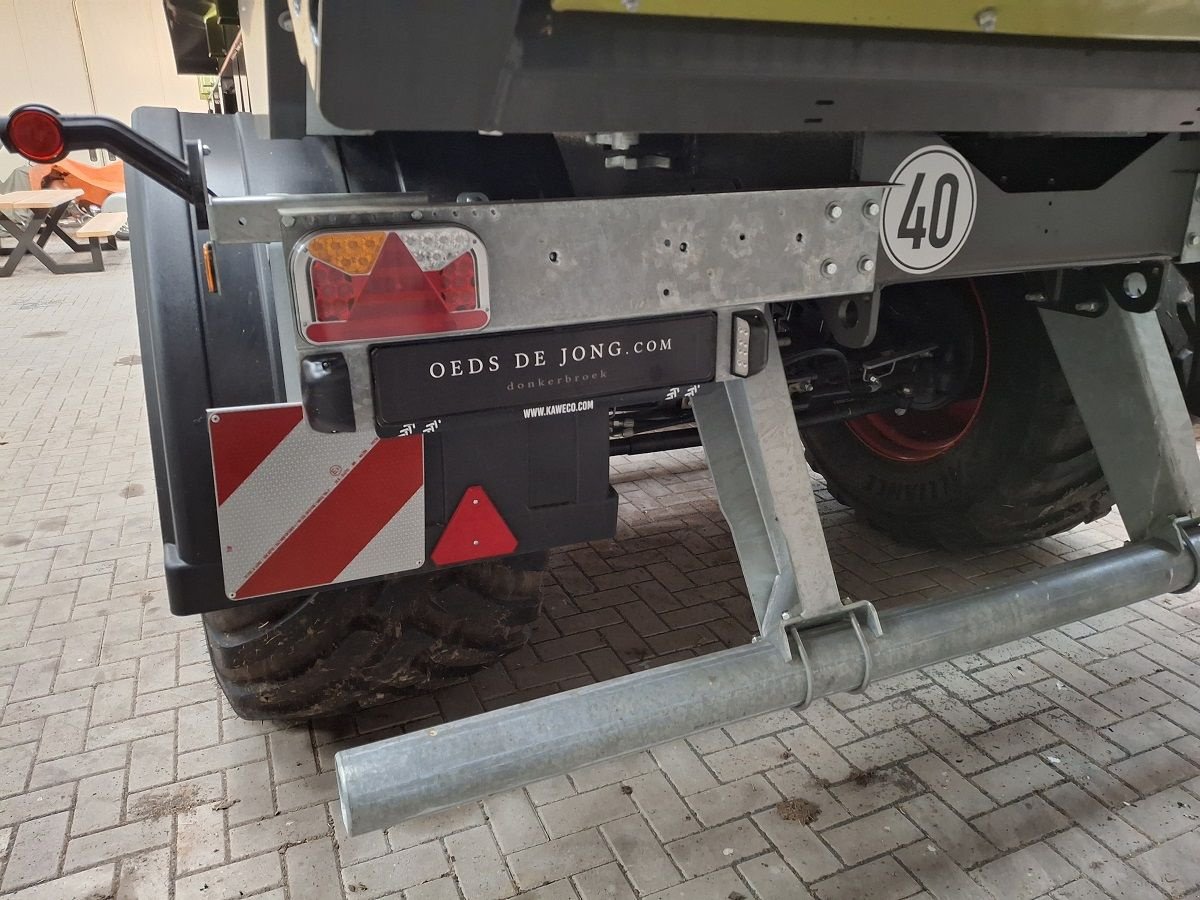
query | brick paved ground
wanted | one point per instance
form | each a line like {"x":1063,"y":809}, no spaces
{"x":1066,"y":765}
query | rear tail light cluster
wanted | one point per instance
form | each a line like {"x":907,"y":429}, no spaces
{"x":386,"y":284}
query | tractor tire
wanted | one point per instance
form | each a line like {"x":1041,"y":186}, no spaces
{"x":342,"y":649}
{"x":1021,"y":468}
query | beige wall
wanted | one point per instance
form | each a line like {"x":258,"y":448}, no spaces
{"x":84,"y":56}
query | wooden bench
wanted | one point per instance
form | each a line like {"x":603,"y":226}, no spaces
{"x":103,"y":225}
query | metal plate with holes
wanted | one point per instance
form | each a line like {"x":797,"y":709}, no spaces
{"x":420,"y":381}
{"x":574,"y":261}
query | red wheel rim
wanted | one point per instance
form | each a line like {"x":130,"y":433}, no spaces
{"x":922,"y":435}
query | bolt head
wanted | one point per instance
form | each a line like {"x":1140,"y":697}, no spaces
{"x":871,"y":209}
{"x":1135,"y":285}
{"x":785,"y":616}
{"x":1035,"y":297}
{"x":986,"y":19}
{"x":834,"y":211}
{"x":829,"y":268}
{"x":1193,"y":239}
{"x":866,"y":265}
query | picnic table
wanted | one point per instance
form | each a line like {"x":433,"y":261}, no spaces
{"x":46,"y":209}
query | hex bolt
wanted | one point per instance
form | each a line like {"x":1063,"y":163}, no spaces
{"x":834,"y":211}
{"x":785,"y":616}
{"x":1088,"y":306}
{"x":1035,"y":297}
{"x":871,"y":209}
{"x":1135,"y":285}
{"x":866,"y":265}
{"x":829,"y":268}
{"x":1193,"y":240}
{"x":986,"y":19}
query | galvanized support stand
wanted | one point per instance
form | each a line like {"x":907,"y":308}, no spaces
{"x":1119,"y":370}
{"x":757,"y":461}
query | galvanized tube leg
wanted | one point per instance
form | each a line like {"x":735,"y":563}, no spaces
{"x":1121,"y":375}
{"x":397,"y":778}
{"x":754,"y":452}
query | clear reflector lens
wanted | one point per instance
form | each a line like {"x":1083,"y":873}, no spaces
{"x":375,"y":285}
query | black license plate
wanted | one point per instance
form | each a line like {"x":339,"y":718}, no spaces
{"x":429,"y":379}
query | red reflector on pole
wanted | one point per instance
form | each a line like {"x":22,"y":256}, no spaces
{"x":476,"y":530}
{"x":37,"y":135}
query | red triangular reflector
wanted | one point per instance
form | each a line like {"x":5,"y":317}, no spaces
{"x":475,"y":531}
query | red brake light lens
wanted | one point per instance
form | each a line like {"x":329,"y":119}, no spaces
{"x":37,"y":135}
{"x":378,"y":285}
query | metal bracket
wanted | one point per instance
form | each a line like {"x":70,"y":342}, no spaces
{"x":1134,"y":287}
{"x":793,"y":632}
{"x":852,"y":320}
{"x":1190,"y":252}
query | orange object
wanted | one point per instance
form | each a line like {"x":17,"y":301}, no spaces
{"x":96,"y":182}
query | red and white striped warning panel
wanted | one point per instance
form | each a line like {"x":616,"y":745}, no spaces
{"x":299,"y":509}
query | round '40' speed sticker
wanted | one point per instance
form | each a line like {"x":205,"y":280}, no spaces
{"x":929,"y":210}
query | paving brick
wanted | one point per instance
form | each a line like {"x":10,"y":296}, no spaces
{"x":1016,"y":779}
{"x":723,"y":845}
{"x":938,"y":873}
{"x":869,"y":792}
{"x":236,"y":880}
{"x":477,"y":862}
{"x":1163,"y":815}
{"x":948,"y":832}
{"x":144,"y":875}
{"x":99,"y":799}
{"x":312,"y":871}
{"x":200,"y":836}
{"x":1109,"y":872}
{"x":1154,"y":770}
{"x":250,"y":785}
{"x":1100,"y":822}
{"x":798,"y":845}
{"x":666,"y":813}
{"x":733,"y":800}
{"x":957,"y":791}
{"x":278,"y":831}
{"x":684,"y":767}
{"x":724,"y":883}
{"x":1027,"y":873}
{"x":1174,"y":865}
{"x":771,"y":879}
{"x":1021,"y":822}
{"x":871,"y":836}
{"x":887,"y":879}
{"x":558,"y":859}
{"x":513,"y":820}
{"x":648,"y":868}
{"x":604,"y":883}
{"x":92,"y":883}
{"x":434,"y":825}
{"x":36,"y":851}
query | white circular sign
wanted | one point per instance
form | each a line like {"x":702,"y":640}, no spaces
{"x":929,"y":210}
